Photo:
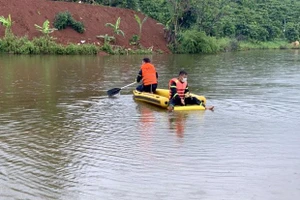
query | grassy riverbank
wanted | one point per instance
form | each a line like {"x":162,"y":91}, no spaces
{"x":279,"y":44}
{"x":226,"y":44}
{"x":48,"y":45}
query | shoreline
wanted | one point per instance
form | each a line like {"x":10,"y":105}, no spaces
{"x":48,"y":45}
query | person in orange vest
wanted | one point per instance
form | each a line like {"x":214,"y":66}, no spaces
{"x":179,"y":93}
{"x":148,"y":75}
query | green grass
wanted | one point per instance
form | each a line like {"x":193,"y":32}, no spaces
{"x":279,"y":44}
{"x":48,"y":45}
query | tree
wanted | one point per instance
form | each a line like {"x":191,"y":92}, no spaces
{"x":177,"y":9}
{"x":292,"y":32}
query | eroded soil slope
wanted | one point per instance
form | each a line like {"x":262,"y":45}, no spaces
{"x":26,"y":13}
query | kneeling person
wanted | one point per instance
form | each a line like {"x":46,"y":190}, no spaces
{"x":149,"y":77}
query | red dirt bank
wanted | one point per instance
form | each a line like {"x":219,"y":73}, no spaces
{"x":26,"y":13}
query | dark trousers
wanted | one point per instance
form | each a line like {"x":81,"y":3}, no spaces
{"x":187,"y":101}
{"x":147,"y":88}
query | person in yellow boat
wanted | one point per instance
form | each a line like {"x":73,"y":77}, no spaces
{"x":180,"y":94}
{"x":148,"y":75}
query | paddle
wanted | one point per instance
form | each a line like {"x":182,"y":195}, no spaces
{"x":115,"y":91}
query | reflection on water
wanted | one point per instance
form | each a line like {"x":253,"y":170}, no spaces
{"x":62,"y":138}
{"x":178,"y":123}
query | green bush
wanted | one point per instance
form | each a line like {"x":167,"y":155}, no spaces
{"x":134,"y":40}
{"x":107,"y":48}
{"x":228,"y":29}
{"x":71,"y":49}
{"x":64,"y":19}
{"x":27,"y":47}
{"x":193,"y":41}
{"x":77,"y":26}
{"x":292,"y":33}
{"x":87,"y":49}
{"x":45,"y":44}
{"x":17,"y":45}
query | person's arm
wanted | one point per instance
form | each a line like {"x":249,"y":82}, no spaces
{"x":139,"y":76}
{"x":173,"y":88}
{"x":156,"y":75}
{"x":186,"y":89}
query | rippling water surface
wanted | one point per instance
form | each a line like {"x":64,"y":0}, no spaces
{"x":62,"y":138}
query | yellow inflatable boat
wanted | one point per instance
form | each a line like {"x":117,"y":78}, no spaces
{"x":161,"y":98}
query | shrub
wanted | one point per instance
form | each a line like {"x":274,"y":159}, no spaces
{"x":77,"y":26}
{"x":64,"y":19}
{"x":44,"y":44}
{"x":71,"y":49}
{"x":107,"y":48}
{"x":87,"y":49}
{"x":291,"y":32}
{"x":17,"y":45}
{"x":193,"y":41}
{"x":134,"y":40}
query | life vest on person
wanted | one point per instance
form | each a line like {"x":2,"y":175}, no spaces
{"x":148,"y":74}
{"x":180,"y":87}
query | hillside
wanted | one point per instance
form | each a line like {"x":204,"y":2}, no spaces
{"x":26,"y":13}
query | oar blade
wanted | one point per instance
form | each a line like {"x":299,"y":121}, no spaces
{"x":113,"y":91}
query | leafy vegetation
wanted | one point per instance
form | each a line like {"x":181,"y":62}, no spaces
{"x":140,"y":23}
{"x":47,"y":45}
{"x":134,"y":40}
{"x":116,"y":27}
{"x":7,"y":23}
{"x":107,"y":39}
{"x":42,"y":45}
{"x":242,"y":21}
{"x":194,"y":26}
{"x":45,"y":29}
{"x":193,"y":41}
{"x":64,"y":19}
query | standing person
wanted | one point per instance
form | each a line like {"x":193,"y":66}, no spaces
{"x":149,"y":77}
{"x":179,"y":93}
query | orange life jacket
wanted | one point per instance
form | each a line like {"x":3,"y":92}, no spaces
{"x":149,"y":74}
{"x":179,"y":86}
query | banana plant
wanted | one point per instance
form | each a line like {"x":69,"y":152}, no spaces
{"x":45,"y":29}
{"x":140,"y":23}
{"x":107,"y":39}
{"x":7,"y":23}
{"x":116,"y":27}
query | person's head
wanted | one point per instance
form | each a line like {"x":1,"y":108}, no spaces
{"x":146,"y":60}
{"x":182,"y":77}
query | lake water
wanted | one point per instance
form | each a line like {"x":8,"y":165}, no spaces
{"x":62,"y":138}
